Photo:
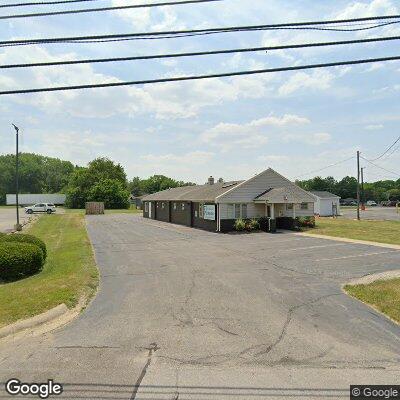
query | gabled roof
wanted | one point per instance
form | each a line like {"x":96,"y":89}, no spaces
{"x":323,"y":194}
{"x":287,"y":194}
{"x":193,"y":193}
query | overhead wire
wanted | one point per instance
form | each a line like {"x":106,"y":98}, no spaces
{"x":196,"y":32}
{"x":102,"y":9}
{"x":324,"y":168}
{"x":198,"y":77}
{"x":45,"y":3}
{"x":200,"y":53}
{"x":380,"y":167}
{"x":387,"y":150}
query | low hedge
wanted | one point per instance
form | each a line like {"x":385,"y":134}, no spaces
{"x":19,"y":260}
{"x":24,"y":238}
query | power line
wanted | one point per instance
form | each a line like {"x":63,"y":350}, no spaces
{"x":206,"y":31}
{"x":378,"y":166}
{"x":324,"y":168}
{"x":199,"y":77}
{"x":113,"y":8}
{"x":387,"y":150}
{"x":201,"y":53}
{"x":44,"y":3}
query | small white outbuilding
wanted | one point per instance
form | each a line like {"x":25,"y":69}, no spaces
{"x":326,"y":204}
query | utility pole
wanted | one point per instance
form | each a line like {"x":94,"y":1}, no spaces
{"x":362,"y":189}
{"x":17,"y":173}
{"x":358,"y":185}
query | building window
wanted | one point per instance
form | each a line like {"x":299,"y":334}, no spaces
{"x":162,"y":205}
{"x":244,"y":210}
{"x":146,"y":207}
{"x":230,"y":211}
{"x":158,"y":204}
{"x":237,"y":211}
{"x":201,"y":210}
{"x":289,"y":206}
{"x":304,"y":206}
{"x":183,"y":206}
{"x":174,"y":206}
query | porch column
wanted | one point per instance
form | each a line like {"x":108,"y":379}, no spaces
{"x":272,"y":211}
{"x":294,"y":210}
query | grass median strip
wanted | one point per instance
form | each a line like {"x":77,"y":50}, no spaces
{"x":69,"y":273}
{"x":374,"y":231}
{"x":383,"y":295}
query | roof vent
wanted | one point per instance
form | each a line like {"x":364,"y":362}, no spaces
{"x":221,"y":180}
{"x":211,"y":180}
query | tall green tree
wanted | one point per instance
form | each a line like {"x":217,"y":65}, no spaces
{"x":37,"y":174}
{"x":87,"y":184}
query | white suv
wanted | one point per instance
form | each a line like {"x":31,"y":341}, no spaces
{"x":48,"y":208}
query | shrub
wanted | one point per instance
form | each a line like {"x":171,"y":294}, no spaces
{"x":240,"y":225}
{"x":23,"y":238}
{"x":305,"y":222}
{"x":19,"y":260}
{"x":254,"y":225}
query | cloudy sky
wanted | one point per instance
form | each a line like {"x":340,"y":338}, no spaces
{"x":294,"y":122}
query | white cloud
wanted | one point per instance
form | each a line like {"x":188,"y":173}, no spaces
{"x":308,"y":138}
{"x":374,"y":127}
{"x":317,"y":80}
{"x":248,"y":135}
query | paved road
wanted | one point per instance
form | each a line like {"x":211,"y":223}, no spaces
{"x":188,"y":314}
{"x":374,"y":213}
{"x":8,"y":218}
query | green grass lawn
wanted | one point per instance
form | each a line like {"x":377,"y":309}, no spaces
{"x":376,"y":231}
{"x":69,"y":273}
{"x":131,"y":210}
{"x":383,"y":295}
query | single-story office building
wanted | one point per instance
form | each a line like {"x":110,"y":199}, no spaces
{"x":217,"y":205}
{"x":326,"y":204}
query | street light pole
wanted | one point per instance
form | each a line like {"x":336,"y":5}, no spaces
{"x":358,"y":185}
{"x":17,"y":173}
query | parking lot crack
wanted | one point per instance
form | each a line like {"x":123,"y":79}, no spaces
{"x":152,"y":349}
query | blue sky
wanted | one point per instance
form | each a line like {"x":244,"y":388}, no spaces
{"x":294,"y":122}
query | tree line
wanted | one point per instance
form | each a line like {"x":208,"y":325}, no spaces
{"x":105,"y":180}
{"x":102,"y":180}
{"x":347,"y":188}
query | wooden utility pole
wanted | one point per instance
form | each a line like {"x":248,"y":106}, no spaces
{"x":358,"y":185}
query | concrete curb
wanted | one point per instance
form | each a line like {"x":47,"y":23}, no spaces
{"x":347,"y":240}
{"x":35,"y":321}
{"x":380,"y":276}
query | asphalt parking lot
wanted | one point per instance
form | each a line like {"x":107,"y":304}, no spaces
{"x":8,"y":218}
{"x":188,"y":314}
{"x":373,"y":213}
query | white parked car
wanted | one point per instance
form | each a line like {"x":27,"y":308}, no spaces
{"x":48,"y":208}
{"x":371,"y":203}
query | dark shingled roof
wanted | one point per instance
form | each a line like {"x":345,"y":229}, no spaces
{"x":323,"y":194}
{"x":192,"y":193}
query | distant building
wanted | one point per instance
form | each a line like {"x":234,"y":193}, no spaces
{"x":29,"y":199}
{"x":136,"y":201}
{"x":326,"y":204}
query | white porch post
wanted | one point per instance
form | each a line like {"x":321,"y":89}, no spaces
{"x":294,"y":210}
{"x":272,"y":211}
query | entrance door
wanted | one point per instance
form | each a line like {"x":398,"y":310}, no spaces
{"x":269,"y":211}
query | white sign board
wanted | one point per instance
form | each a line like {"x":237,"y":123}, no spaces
{"x":209,"y":212}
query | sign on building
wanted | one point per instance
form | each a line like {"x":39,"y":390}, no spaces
{"x":209,"y":212}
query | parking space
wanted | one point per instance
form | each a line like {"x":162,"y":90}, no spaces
{"x":8,"y":218}
{"x":373,"y":213}
{"x":180,"y":307}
